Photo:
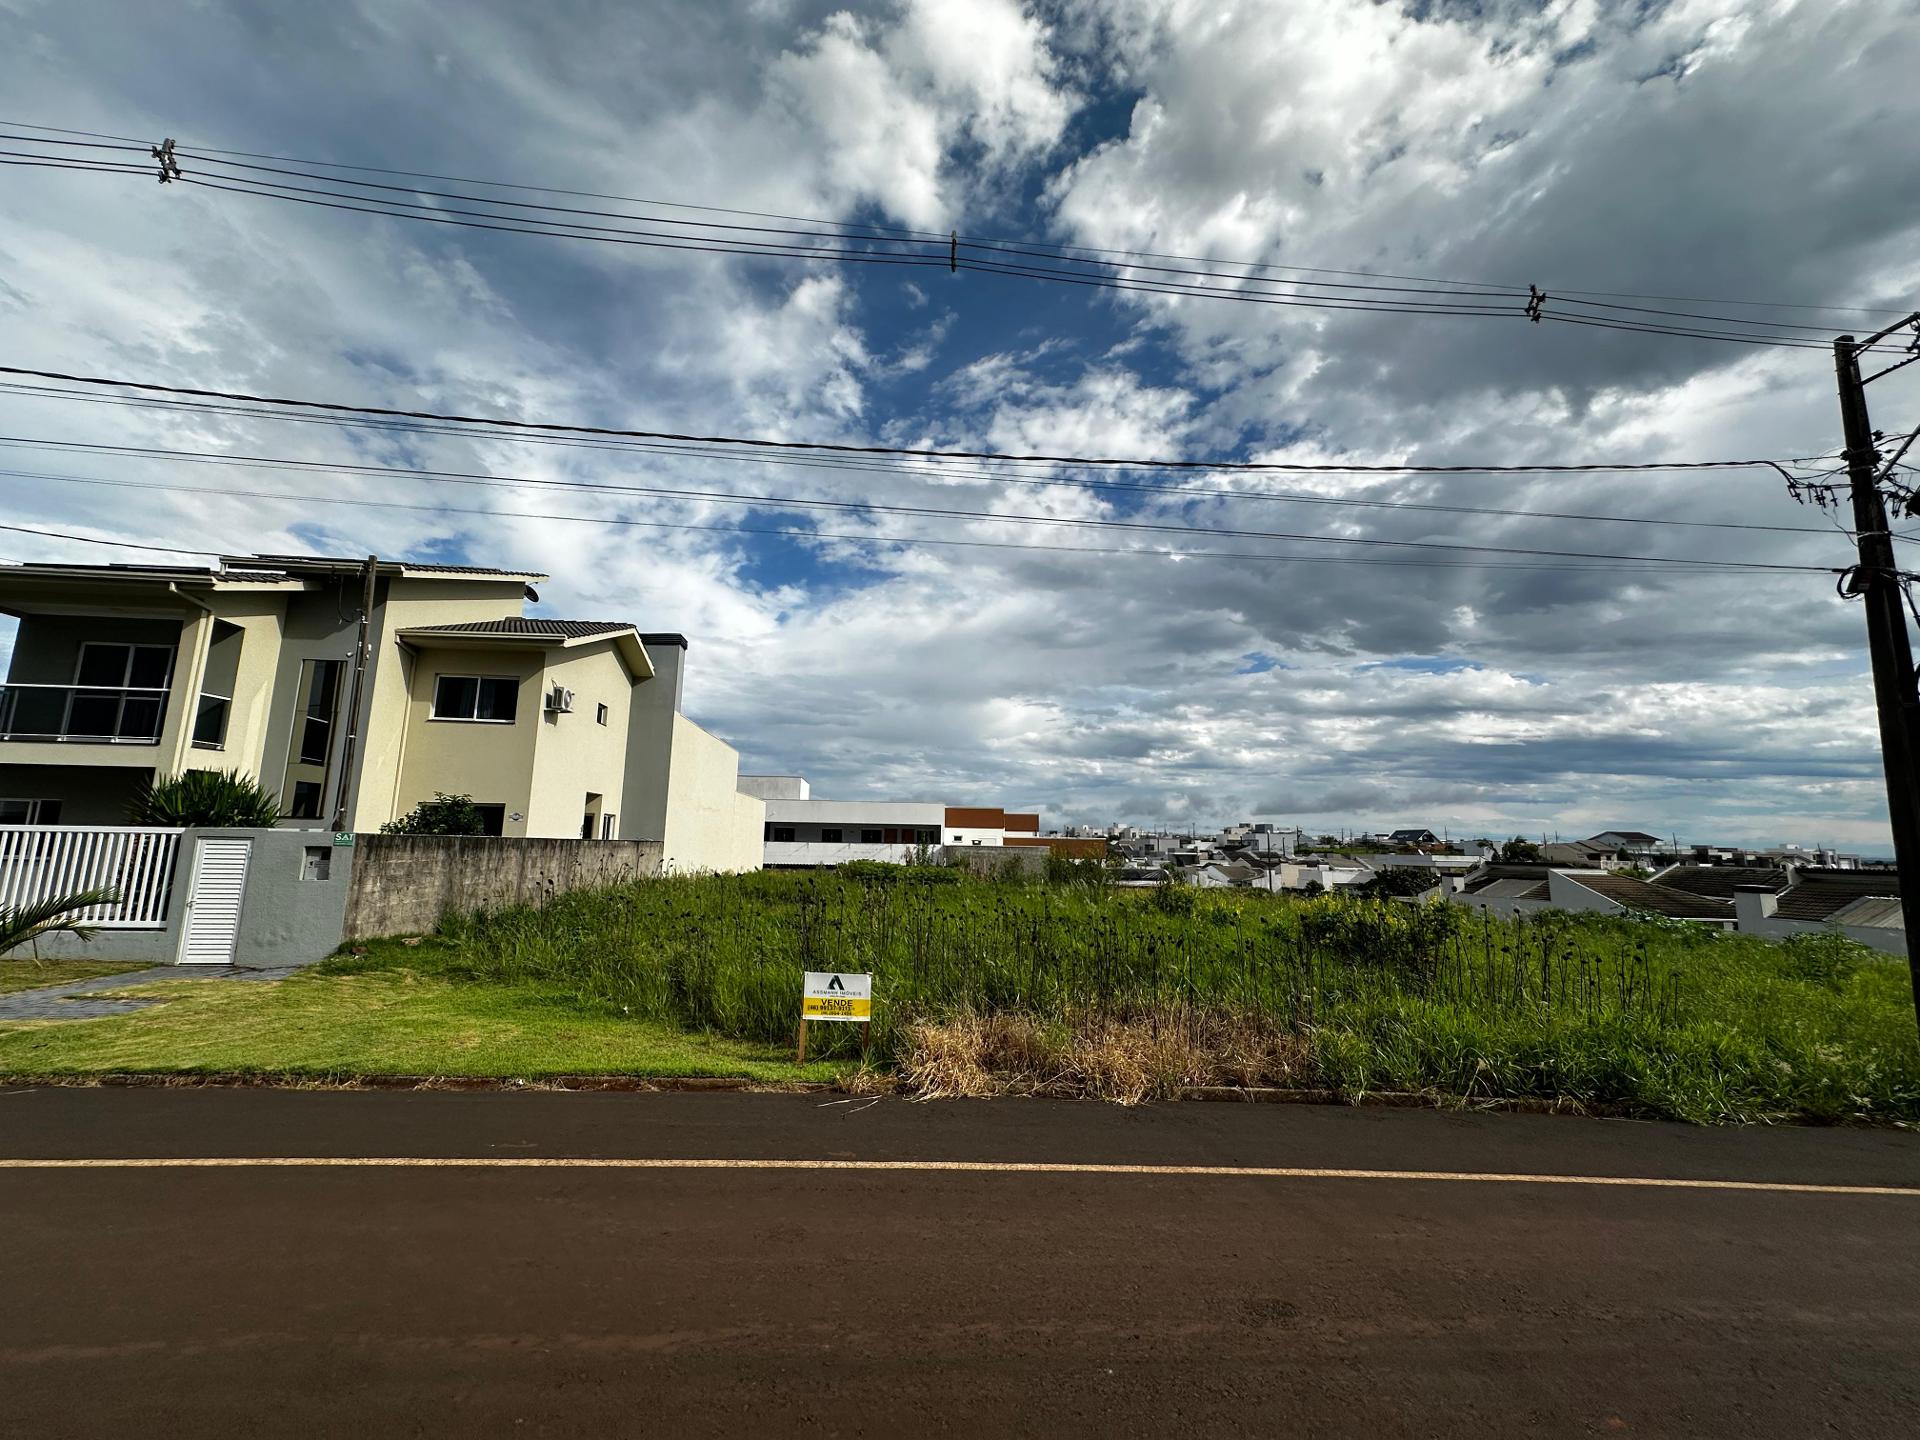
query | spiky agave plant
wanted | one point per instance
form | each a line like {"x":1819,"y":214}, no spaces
{"x":22,"y":924}
{"x":216,"y":798}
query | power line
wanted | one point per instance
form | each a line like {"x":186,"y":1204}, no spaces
{"x":1065,"y":250}
{"x":1426,"y":301}
{"x":1173,"y":492}
{"x":925,"y":466}
{"x":917,"y":541}
{"x":832,"y":447}
{"x":96,"y":540}
{"x":785,"y":502}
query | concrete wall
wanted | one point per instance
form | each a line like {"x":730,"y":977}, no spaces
{"x":285,"y":918}
{"x":710,"y":824}
{"x":991,"y":860}
{"x":405,"y":884}
{"x":775,"y":787}
{"x":825,"y":852}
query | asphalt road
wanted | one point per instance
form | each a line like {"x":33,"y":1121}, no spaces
{"x":580,"y":1299}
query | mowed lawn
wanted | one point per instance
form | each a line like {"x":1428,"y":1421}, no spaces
{"x":17,"y":975}
{"x":322,"y":1025}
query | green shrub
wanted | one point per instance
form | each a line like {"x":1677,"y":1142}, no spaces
{"x":442,"y":815}
{"x":217,"y":798}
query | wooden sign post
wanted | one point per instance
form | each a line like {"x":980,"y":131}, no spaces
{"x":836,"y":996}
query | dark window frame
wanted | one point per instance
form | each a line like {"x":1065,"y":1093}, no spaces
{"x":502,"y":684}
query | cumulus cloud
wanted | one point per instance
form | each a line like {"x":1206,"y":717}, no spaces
{"x":1698,"y":148}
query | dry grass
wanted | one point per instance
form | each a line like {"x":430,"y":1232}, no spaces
{"x":1092,"y":1055}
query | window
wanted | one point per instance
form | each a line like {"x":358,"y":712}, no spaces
{"x":783,"y":833}
{"x":493,"y":819}
{"x":210,"y":722}
{"x":29,"y":812}
{"x":869,"y":837}
{"x":310,"y":746}
{"x":319,"y":692}
{"x":120,"y":691}
{"x":607,"y":825}
{"x":830,"y":834}
{"x":600,"y":714}
{"x":956,"y":839}
{"x":491,"y":699}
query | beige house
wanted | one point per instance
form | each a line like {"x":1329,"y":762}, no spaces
{"x":556,"y":728}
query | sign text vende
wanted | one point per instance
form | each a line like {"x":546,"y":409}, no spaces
{"x":837,"y":996}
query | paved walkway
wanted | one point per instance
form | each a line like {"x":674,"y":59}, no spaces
{"x":67,"y":1001}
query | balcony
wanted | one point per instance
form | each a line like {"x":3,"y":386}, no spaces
{"x":83,"y":714}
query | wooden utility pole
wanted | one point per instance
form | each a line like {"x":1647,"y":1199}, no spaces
{"x":1877,"y":581}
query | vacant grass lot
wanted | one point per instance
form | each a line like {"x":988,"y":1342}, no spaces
{"x":398,"y":1021}
{"x":1065,"y":988}
{"x":1073,"y":988}
{"x":32,"y":974}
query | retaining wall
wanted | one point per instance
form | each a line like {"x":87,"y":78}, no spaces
{"x":404,"y":884}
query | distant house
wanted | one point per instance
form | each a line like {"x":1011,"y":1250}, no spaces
{"x":1412,"y":837}
{"x":1522,"y":889}
{"x":1633,"y":846}
{"x":1863,"y":905}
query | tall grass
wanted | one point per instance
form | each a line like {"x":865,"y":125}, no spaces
{"x":1201,"y":987}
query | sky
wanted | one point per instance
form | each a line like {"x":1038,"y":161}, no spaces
{"x":1706,"y":149}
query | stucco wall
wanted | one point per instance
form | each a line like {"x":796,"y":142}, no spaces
{"x":249,"y":713}
{"x":491,"y":762}
{"x":405,"y":884}
{"x":710,"y":825}
{"x":575,"y":755}
{"x":378,"y":795}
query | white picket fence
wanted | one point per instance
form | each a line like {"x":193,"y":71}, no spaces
{"x":38,"y":862}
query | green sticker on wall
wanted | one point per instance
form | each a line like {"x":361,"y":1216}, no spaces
{"x":343,"y":837}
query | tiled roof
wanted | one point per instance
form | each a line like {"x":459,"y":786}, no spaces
{"x":1881,"y":911}
{"x":1660,"y":899}
{"x":1819,"y":895}
{"x":1718,"y":881}
{"x":520,"y":626}
{"x":1508,"y":882}
{"x":1510,"y":888}
{"x":354,"y":562}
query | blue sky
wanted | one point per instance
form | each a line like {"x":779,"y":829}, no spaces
{"x":1639,"y":148}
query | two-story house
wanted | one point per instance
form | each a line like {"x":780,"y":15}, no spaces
{"x":556,"y":728}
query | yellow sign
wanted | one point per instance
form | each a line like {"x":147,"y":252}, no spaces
{"x":837,"y":997}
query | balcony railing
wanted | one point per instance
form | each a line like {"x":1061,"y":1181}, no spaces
{"x":82,"y":714}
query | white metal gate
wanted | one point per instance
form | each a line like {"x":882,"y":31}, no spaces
{"x":213,"y":901}
{"x":39,"y":862}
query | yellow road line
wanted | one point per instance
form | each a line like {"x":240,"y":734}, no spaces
{"x":959,"y":1167}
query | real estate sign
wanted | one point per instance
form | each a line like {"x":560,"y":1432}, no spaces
{"x":837,"y":996}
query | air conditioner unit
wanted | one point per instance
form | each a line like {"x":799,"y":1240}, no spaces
{"x":560,"y":701}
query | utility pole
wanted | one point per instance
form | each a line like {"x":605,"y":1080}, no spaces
{"x":1876,"y":580}
{"x":360,"y":657}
